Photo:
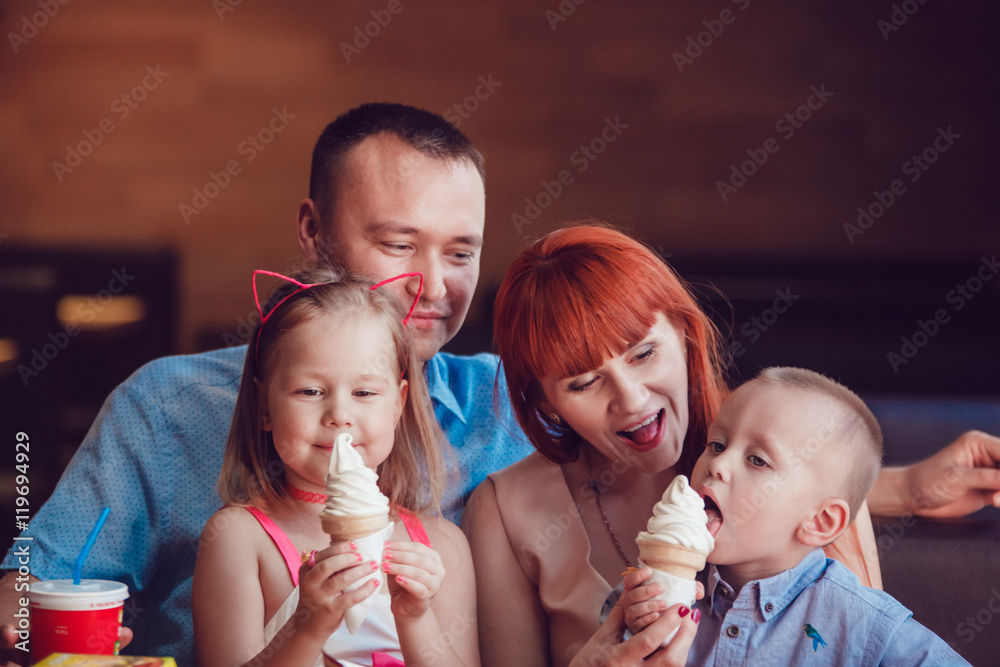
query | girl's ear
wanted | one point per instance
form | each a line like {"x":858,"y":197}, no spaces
{"x":404,"y":390}
{"x":826,"y":525}
{"x":265,"y":418}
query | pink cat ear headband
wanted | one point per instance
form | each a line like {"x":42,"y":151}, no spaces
{"x":304,"y":286}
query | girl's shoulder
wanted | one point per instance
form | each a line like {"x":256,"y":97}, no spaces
{"x":441,"y":532}
{"x":231,"y":526}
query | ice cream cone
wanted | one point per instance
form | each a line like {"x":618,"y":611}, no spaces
{"x":672,"y":559}
{"x":345,"y":528}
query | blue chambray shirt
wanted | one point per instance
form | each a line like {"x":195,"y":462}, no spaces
{"x":153,"y":456}
{"x":766,"y":623}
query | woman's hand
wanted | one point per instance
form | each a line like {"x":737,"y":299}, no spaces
{"x":415,"y":573}
{"x":958,"y":480}
{"x":322,"y":583}
{"x":640,"y":601}
{"x":606,"y":646}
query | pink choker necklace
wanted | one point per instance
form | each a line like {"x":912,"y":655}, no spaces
{"x":307,"y":496}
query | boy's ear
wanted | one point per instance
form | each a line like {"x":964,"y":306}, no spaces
{"x":265,"y":418}
{"x":831,"y":519}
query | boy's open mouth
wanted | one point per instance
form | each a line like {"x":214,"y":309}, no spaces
{"x":714,"y":516}
{"x":645,"y":435}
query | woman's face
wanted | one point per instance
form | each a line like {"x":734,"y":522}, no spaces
{"x":634,"y":406}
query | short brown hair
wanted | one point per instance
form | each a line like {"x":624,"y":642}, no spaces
{"x":421,"y":130}
{"x":858,"y":430}
{"x":413,"y":474}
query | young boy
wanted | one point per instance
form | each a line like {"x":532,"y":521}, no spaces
{"x":789,"y":460}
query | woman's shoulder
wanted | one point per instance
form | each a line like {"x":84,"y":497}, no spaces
{"x":533,"y":466}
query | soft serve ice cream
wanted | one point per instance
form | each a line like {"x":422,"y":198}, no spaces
{"x":676,"y":543}
{"x":355,"y":506}
{"x":355,"y":510}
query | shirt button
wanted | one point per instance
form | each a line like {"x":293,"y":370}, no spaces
{"x":733,"y":631}
{"x":769,"y":607}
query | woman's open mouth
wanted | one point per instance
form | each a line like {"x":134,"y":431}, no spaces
{"x":645,"y":435}
{"x":714,"y":516}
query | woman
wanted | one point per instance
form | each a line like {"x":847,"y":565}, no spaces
{"x":614,"y":375}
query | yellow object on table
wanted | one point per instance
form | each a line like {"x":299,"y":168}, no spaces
{"x":80,"y":660}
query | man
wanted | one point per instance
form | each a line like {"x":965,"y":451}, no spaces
{"x":393,"y":189}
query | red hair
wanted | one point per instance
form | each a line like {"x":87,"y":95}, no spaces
{"x":583,"y":294}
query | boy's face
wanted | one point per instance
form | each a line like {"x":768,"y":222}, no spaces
{"x":766,"y":469}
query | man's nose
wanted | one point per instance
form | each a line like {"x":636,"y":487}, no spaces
{"x":434,"y":288}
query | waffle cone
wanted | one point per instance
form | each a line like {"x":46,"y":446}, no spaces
{"x":344,"y":528}
{"x":672,"y":559}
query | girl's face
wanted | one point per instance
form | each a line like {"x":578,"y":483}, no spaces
{"x":634,"y":406}
{"x":328,"y":376}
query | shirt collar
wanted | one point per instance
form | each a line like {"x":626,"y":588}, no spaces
{"x":436,"y":375}
{"x":774,"y":593}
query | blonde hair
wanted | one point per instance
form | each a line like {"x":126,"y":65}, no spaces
{"x":858,"y":430}
{"x":411,"y":477}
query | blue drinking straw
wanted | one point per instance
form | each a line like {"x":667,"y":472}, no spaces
{"x":78,"y":565}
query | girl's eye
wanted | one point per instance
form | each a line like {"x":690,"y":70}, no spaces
{"x":757,"y":461}
{"x":364,"y":393}
{"x":715,"y":447}
{"x":309,"y":392}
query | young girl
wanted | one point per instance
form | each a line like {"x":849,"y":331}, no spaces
{"x":330,"y":356}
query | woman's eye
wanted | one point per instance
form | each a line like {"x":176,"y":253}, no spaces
{"x":645,"y":354}
{"x":757,"y":461}
{"x":582,"y":386}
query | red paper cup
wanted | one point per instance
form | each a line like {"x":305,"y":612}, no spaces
{"x":70,"y":618}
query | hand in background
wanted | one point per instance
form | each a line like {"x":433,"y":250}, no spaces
{"x":960,"y":479}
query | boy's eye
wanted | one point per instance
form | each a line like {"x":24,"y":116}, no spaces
{"x":756,"y":461}
{"x":715,"y":447}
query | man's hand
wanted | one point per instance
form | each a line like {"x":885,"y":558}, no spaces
{"x":960,"y":479}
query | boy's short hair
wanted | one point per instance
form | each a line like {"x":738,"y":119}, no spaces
{"x":858,"y":429}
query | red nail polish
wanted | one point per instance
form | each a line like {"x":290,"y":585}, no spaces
{"x":683,"y":611}
{"x":374,"y":565}
{"x":696,"y":616}
{"x":400,"y":578}
{"x":354,"y":546}
{"x":360,"y":558}
{"x":385,"y":567}
{"x":387,"y":555}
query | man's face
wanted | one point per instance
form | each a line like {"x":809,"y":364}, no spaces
{"x":400,"y":211}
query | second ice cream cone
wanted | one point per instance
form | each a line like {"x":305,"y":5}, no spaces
{"x":670,"y":558}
